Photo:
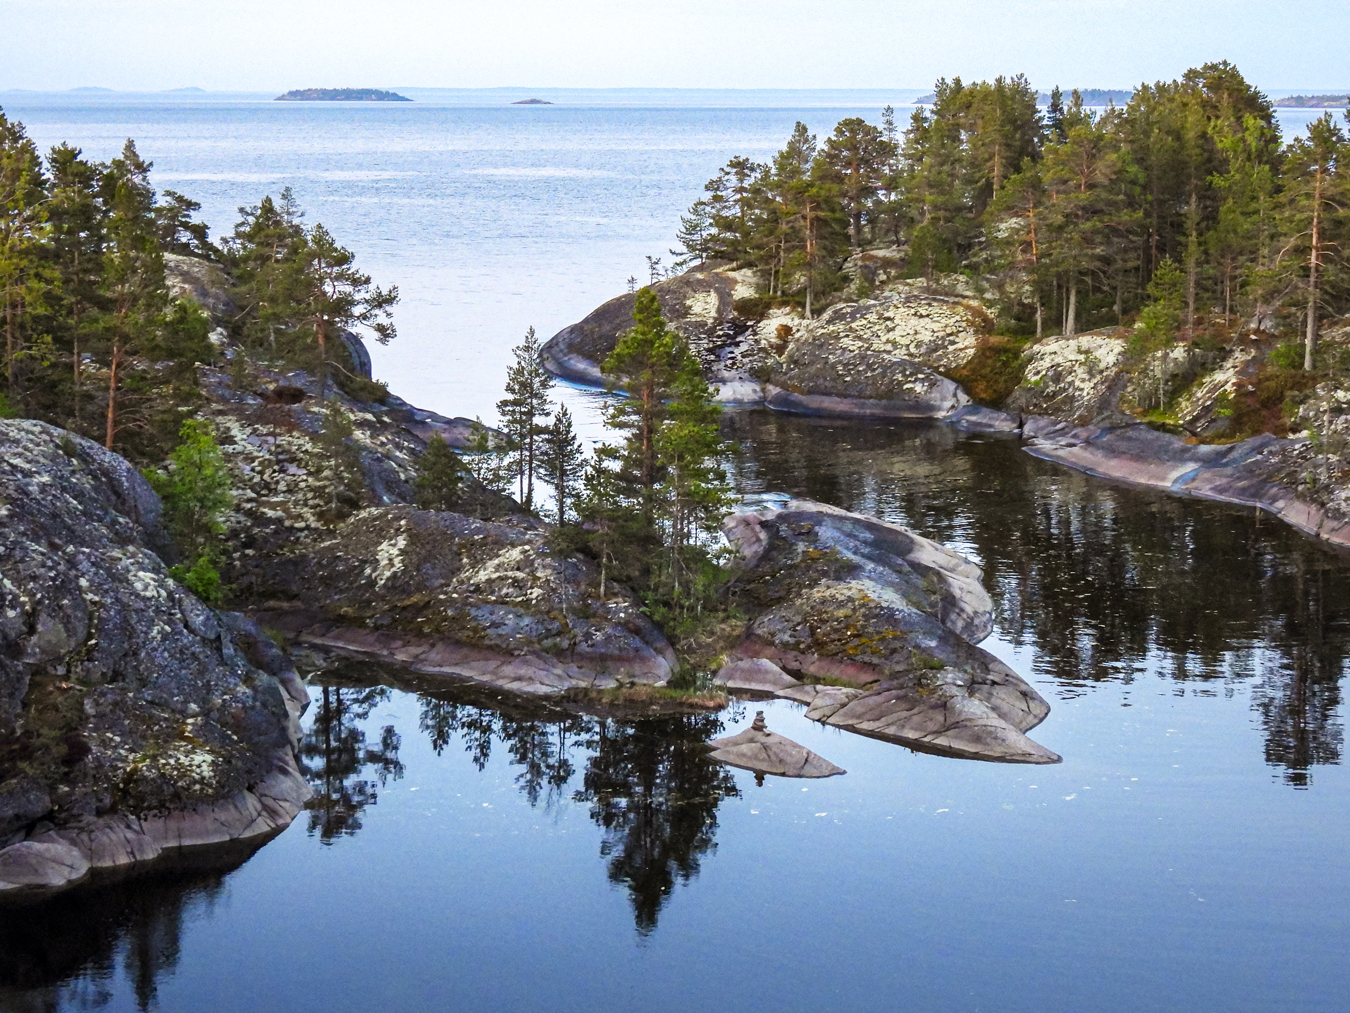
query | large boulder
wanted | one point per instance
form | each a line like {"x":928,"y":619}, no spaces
{"x":133,"y":716}
{"x":877,"y":625}
{"x":1078,"y":379}
{"x":446,"y":594}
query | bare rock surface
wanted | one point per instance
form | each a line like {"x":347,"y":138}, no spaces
{"x":766,"y":752}
{"x":1264,"y":471}
{"x":446,"y":594}
{"x":126,"y":705}
{"x":881,"y":621}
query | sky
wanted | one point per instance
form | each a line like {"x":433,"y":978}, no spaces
{"x":275,"y":45}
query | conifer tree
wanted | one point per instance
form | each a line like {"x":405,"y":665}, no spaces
{"x":1316,"y":198}
{"x":195,"y":489}
{"x":25,"y":281}
{"x":340,"y":461}
{"x":564,"y":462}
{"x":524,"y":409}
{"x":439,"y":476}
{"x":133,"y":269}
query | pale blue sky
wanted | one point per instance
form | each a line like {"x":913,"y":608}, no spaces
{"x":280,"y":44}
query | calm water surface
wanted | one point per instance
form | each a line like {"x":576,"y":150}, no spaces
{"x":1191,"y":853}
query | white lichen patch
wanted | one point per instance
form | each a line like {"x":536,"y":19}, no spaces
{"x":701,"y":306}
{"x":388,"y":560}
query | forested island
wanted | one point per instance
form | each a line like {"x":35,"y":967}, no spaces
{"x":341,"y":95}
{"x":1312,"y":102}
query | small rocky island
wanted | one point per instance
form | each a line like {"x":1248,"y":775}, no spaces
{"x":341,"y":95}
{"x":532,"y":102}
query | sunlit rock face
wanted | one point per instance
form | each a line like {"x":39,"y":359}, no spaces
{"x":132,"y":716}
{"x":446,"y":594}
{"x":876,"y":626}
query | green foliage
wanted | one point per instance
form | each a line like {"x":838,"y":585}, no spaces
{"x":1160,"y":320}
{"x":652,"y":504}
{"x":195,"y":489}
{"x":994,"y":371}
{"x":6,"y":410}
{"x":523,"y":410}
{"x":439,"y":476}
{"x":564,"y":463}
{"x":201,"y":578}
{"x":1287,"y":356}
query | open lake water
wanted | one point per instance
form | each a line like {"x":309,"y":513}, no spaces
{"x":468,"y":853}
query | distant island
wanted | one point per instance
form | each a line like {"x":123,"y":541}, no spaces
{"x":1091,"y":97}
{"x":341,"y":95}
{"x":532,"y":102}
{"x":1312,"y":102}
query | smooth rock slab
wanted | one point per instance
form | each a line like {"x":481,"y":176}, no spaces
{"x":757,"y":675}
{"x":766,"y":752}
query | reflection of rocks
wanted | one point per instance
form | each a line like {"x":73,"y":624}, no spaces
{"x":841,"y":598}
{"x":767,"y":752}
{"x":148,"y":720}
{"x":445,"y":594}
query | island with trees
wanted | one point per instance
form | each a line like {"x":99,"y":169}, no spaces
{"x":1313,"y":102}
{"x":1154,"y":291}
{"x":341,"y":95}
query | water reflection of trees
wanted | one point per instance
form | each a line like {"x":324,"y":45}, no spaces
{"x":63,"y":953}
{"x":649,"y":785}
{"x":344,"y":769}
{"x":1106,"y":582}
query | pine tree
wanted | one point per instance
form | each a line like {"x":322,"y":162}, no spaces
{"x":1316,"y":198}
{"x":77,"y":237}
{"x":524,"y":409}
{"x":25,"y":281}
{"x":439,"y":476}
{"x":563,"y":460}
{"x":133,"y":269}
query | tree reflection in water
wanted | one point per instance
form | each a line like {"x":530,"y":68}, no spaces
{"x":1105,"y":582}
{"x":63,"y":953}
{"x":649,"y":784}
{"x":335,"y":755}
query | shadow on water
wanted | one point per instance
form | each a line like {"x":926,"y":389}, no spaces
{"x":1106,"y":582}
{"x":63,"y":953}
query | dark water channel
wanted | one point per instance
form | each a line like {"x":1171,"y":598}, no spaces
{"x":465,"y":852}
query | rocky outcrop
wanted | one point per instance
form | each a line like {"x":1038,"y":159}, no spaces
{"x":199,"y":280}
{"x":874,"y":624}
{"x":134,"y":717}
{"x":699,"y":305}
{"x":766,"y":752}
{"x":1282,"y":477}
{"x":445,"y":594}
{"x":1078,"y":379}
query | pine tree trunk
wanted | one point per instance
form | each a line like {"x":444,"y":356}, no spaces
{"x":1192,"y":262}
{"x":1071,"y":311}
{"x":1314,"y":262}
{"x":111,"y":431}
{"x":1038,"y":316}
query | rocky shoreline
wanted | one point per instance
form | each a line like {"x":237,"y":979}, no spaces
{"x":894,"y":353}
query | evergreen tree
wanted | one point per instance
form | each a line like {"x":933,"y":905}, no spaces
{"x":563,"y":460}
{"x":439,"y":476}
{"x":195,"y":489}
{"x":855,"y":158}
{"x":77,"y":225}
{"x":25,"y":281}
{"x":1316,"y":198}
{"x":133,"y":269}
{"x":524,"y":409}
{"x":334,"y":296}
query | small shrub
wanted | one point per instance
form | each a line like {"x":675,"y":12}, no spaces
{"x":201,"y":578}
{"x":1287,"y":356}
